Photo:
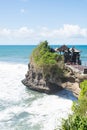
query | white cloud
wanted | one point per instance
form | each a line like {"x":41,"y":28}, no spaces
{"x":4,"y":32}
{"x":67,"y":33}
{"x":72,"y":30}
{"x":24,"y":31}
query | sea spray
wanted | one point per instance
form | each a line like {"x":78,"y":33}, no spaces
{"x":21,"y":108}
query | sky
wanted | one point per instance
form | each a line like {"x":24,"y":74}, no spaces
{"x":28,"y":22}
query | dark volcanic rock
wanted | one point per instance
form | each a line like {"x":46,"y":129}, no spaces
{"x":35,"y":80}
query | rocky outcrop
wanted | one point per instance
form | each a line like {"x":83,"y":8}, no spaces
{"x":73,"y":79}
{"x":47,"y":72}
{"x":35,"y":80}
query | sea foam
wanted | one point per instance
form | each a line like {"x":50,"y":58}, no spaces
{"x":23,"y":109}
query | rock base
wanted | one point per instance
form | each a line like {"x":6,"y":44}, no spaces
{"x":35,"y":80}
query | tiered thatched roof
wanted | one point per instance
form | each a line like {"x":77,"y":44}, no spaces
{"x":62,"y":48}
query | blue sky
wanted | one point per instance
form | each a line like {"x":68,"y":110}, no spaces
{"x":32,"y":21}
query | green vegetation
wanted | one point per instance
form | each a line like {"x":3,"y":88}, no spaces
{"x":83,"y":87}
{"x":75,"y":122}
{"x":44,"y":58}
{"x":42,"y":55}
{"x":78,"y":121}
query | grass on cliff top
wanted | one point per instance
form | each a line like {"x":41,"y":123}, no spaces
{"x":42,"y":55}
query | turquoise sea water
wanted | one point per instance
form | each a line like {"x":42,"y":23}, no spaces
{"x":24,"y":109}
{"x":21,"y":54}
{"x":15,"y":53}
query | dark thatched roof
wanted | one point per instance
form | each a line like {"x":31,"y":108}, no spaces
{"x":63,"y":48}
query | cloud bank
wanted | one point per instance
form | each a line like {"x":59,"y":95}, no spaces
{"x":26,"y":35}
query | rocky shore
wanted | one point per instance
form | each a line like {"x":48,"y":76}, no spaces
{"x":34,"y":80}
{"x":73,"y":79}
{"x":50,"y":78}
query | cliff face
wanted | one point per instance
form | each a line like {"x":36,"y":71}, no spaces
{"x":35,"y":80}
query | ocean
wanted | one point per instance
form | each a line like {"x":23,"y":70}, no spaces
{"x":22,"y":108}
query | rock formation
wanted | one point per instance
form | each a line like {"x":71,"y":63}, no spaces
{"x":44,"y":70}
{"x":35,"y":80}
{"x":47,"y":72}
{"x":73,"y":78}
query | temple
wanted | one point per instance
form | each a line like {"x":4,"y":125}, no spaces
{"x":71,"y":55}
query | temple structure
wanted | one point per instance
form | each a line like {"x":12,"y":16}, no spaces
{"x":71,"y":55}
